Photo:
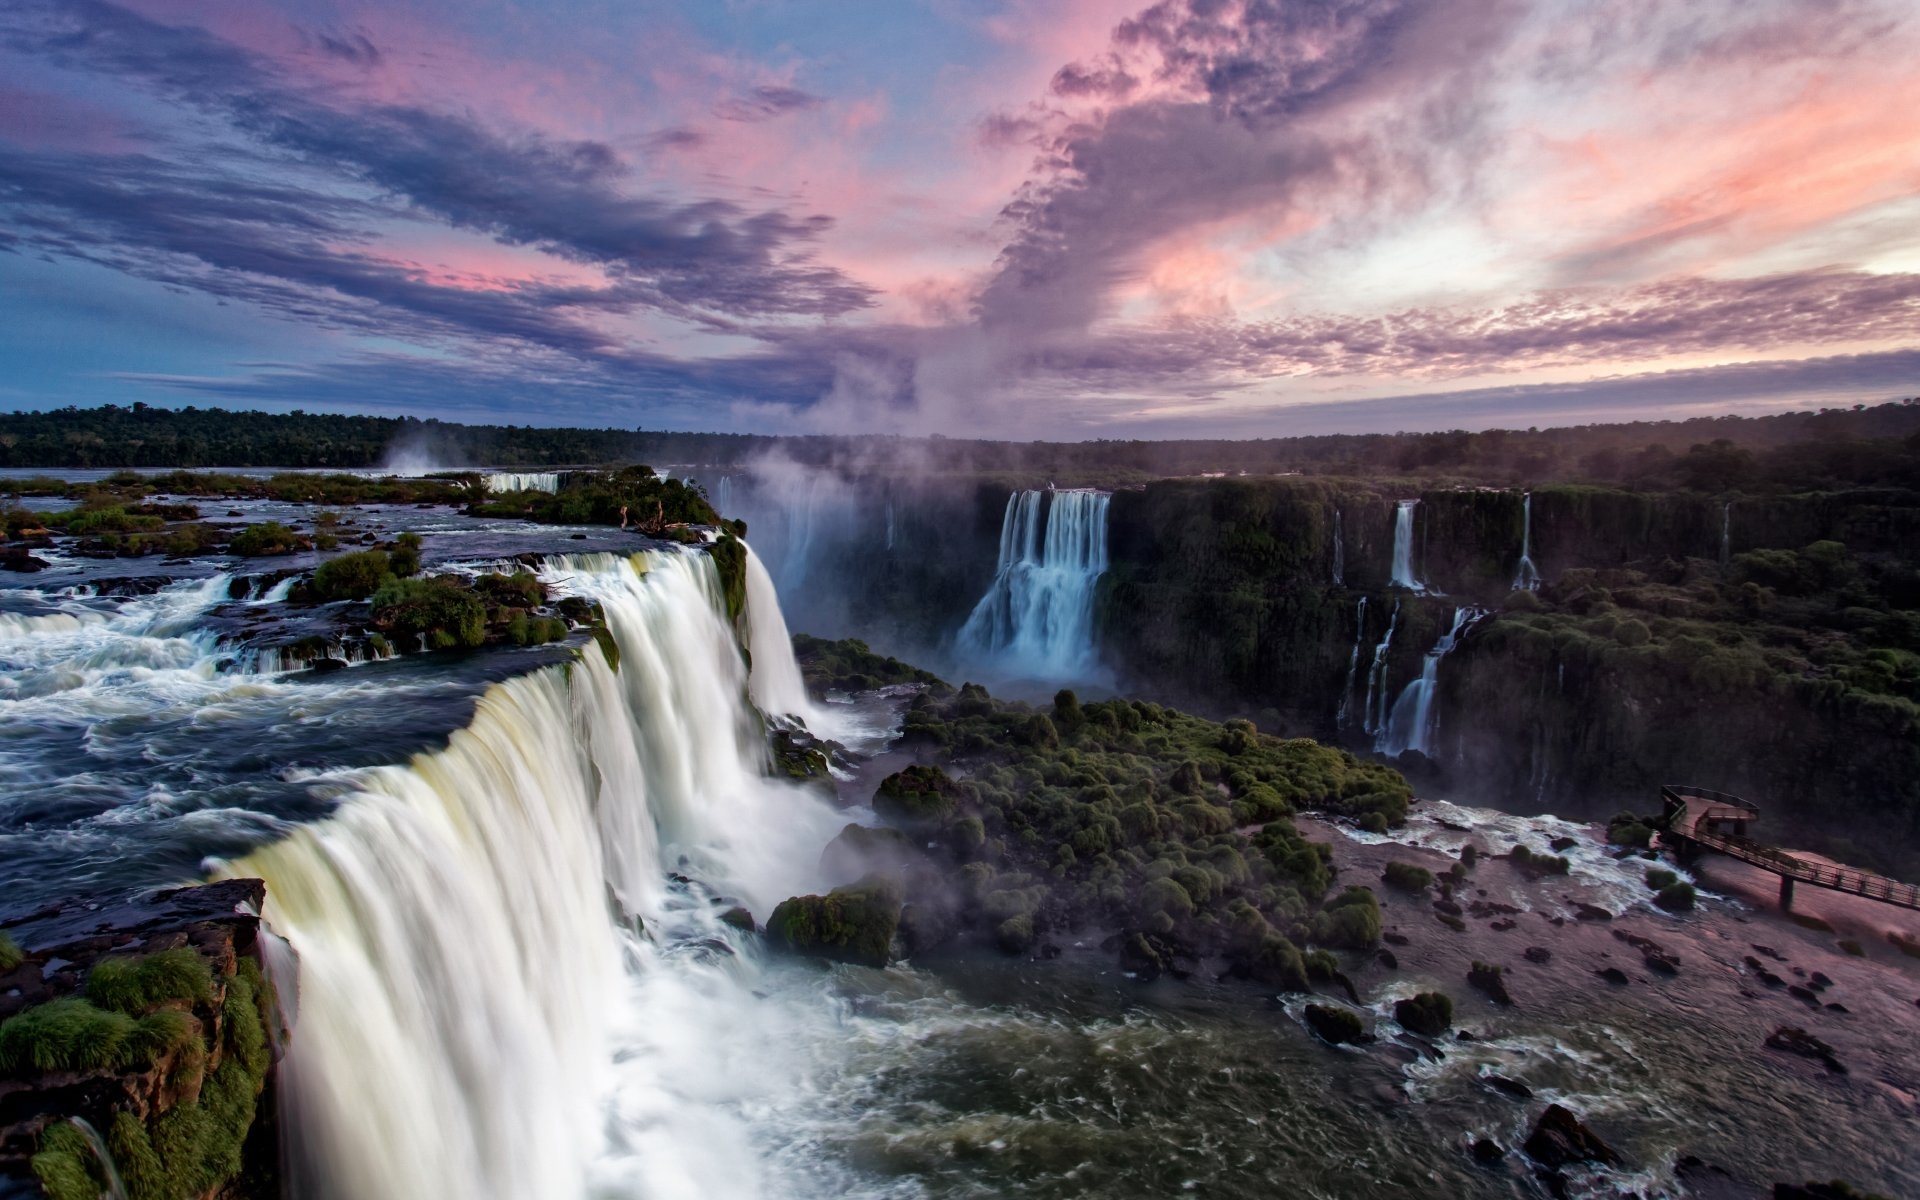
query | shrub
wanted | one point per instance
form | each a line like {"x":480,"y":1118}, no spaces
{"x":266,"y":538}
{"x":1535,"y":863}
{"x":440,"y":608}
{"x":1660,"y":879}
{"x":404,"y":557}
{"x":1321,"y":965}
{"x":1407,"y":877}
{"x":1336,"y":1025}
{"x":352,"y":576}
{"x":1015,"y":934}
{"x":916,"y":796}
{"x":1351,"y":921}
{"x":10,"y":953}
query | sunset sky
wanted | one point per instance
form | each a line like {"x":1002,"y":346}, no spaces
{"x":1024,"y":218}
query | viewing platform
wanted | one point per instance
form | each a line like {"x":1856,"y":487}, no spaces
{"x":1701,"y":819}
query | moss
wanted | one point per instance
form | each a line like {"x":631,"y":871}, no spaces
{"x":11,"y":955}
{"x":266,"y":538}
{"x":1853,"y":947}
{"x":1535,"y":863}
{"x":1407,"y":877}
{"x":1676,"y":897}
{"x":440,"y":608}
{"x":852,"y":924}
{"x":1351,"y":921}
{"x":849,"y":666}
{"x":917,"y":796}
{"x":1335,"y":1025}
{"x":729,"y":556}
{"x":1429,"y":1014}
{"x":1659,"y":878}
{"x":609,"y":648}
{"x":1015,"y":934}
{"x":139,"y":984}
{"x":1321,"y":965}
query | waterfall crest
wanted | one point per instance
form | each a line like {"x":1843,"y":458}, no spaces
{"x":523,"y":481}
{"x":466,"y":923}
{"x":1037,"y":617}
{"x":1411,"y":723}
{"x":1527,"y":577}
{"x":1403,"y":574}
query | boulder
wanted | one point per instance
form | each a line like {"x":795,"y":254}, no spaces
{"x":918,"y":797}
{"x":853,"y":924}
{"x":1428,"y":1014}
{"x":1791,"y":1039}
{"x":1491,"y":980}
{"x":1559,"y":1139}
{"x":1335,"y":1025}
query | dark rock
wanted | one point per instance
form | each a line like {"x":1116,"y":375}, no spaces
{"x":1657,"y":959}
{"x":1387,"y":959}
{"x":1488,"y":1153}
{"x":1508,"y":1087}
{"x":1613,"y":975}
{"x":1537,"y":954}
{"x":1336,"y":1025}
{"x":1400,"y":939}
{"x":16,"y":558}
{"x":1591,"y":912}
{"x":852,"y":924}
{"x":1447,"y":906}
{"x":1820,"y":982}
{"x":1562,"y":843}
{"x":1842,"y":1009}
{"x":1805,"y":995}
{"x":1833,"y":1189}
{"x":1503,"y":925}
{"x":1559,"y":1139}
{"x":1491,"y":980}
{"x":1793,"y":1040}
{"x":326,"y":666}
{"x":738,"y":917}
{"x":1147,"y":956}
{"x":860,"y":849}
{"x":1770,"y":952}
{"x":1428,"y":1014}
{"x":1457,"y":924}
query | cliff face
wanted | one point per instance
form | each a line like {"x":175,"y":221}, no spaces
{"x":1767,"y":647}
{"x":139,"y":1033}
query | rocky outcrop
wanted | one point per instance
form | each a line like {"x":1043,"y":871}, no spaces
{"x":1559,"y":1139}
{"x":853,"y":924}
{"x":150,"y":1026}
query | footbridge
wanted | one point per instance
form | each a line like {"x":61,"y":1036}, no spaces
{"x":1701,"y":819}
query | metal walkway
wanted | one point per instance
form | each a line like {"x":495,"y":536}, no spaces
{"x":1701,"y":818}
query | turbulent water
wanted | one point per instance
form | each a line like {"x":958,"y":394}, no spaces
{"x":1403,"y":572}
{"x":523,"y":481}
{"x":1036,"y":619}
{"x":1410,"y":723}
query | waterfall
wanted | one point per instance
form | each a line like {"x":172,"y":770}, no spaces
{"x":1726,"y":532}
{"x":1373,"y":721}
{"x":1403,"y":575}
{"x":889,"y":522}
{"x":775,"y":683}
{"x":1353,"y":665}
{"x":723,"y":497}
{"x":518,"y":481}
{"x":1339,"y":553}
{"x":1410,"y":725}
{"x":473,"y":925}
{"x":1037,"y":616}
{"x":1527,"y":579}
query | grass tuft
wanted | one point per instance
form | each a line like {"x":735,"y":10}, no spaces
{"x":138,"y":984}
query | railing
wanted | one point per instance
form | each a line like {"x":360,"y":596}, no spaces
{"x":1676,"y":793}
{"x":1723,"y":807}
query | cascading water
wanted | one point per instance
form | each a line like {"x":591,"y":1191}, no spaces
{"x":1353,"y":665}
{"x":1339,"y":553}
{"x":523,"y":481}
{"x":1036,"y":619}
{"x":472,"y":925}
{"x":1403,"y":575}
{"x":1410,"y":725}
{"x":889,"y":522}
{"x":1726,"y":532}
{"x":1527,"y":578}
{"x":1372,"y":718}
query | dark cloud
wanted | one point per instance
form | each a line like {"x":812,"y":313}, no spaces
{"x":356,"y":48}
{"x":764,"y":103}
{"x":1104,"y":78}
{"x":702,"y":258}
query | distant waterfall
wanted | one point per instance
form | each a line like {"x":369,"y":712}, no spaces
{"x":1527,"y":578}
{"x":1373,"y":719}
{"x":1410,"y":725}
{"x":1353,"y":666}
{"x":1036,"y":619}
{"x":889,"y":521}
{"x":1403,"y":575}
{"x":517,"y":481}
{"x":1339,"y":553}
{"x":466,"y":923}
{"x":1726,"y":532}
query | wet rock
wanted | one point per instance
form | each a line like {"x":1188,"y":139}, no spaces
{"x":1613,"y":975}
{"x":1508,"y":1087}
{"x":1491,"y":980}
{"x":1833,"y":1189}
{"x":738,"y":917}
{"x":16,"y":558}
{"x":1770,"y":952}
{"x":1819,"y":982}
{"x":1447,"y":906}
{"x":1428,"y":1014}
{"x":1591,"y":912}
{"x":1537,"y":954}
{"x":1491,"y":908}
{"x":1657,"y":959}
{"x":1842,"y":1009}
{"x":1387,"y":959}
{"x":1400,"y":939}
{"x":1559,"y":1139}
{"x":1791,"y":1039}
{"x":1457,"y":924}
{"x":326,"y":666}
{"x":1562,"y":843}
{"x":852,"y":924}
{"x":1335,"y":1025}
{"x":1805,"y":995}
{"x":1502,"y":926}
{"x":1488,"y":1153}
{"x":1147,"y":956}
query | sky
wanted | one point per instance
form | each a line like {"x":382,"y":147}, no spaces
{"x":1016,"y":218}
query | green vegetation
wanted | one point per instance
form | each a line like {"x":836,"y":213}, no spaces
{"x":352,"y":576}
{"x":1407,"y":877}
{"x":11,"y":955}
{"x":1335,"y":1025}
{"x":849,"y":666}
{"x":140,"y":984}
{"x":1119,"y":813}
{"x":70,"y":1034}
{"x":852,"y":924}
{"x":729,"y":556}
{"x":268,"y":538}
{"x":631,"y":496}
{"x":1676,"y":897}
{"x":1533,"y":862}
{"x":1659,"y":878}
{"x":442,"y":609}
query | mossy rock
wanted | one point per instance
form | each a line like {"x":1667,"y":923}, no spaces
{"x":853,"y":924}
{"x":1335,"y":1025}
{"x":1676,"y":897}
{"x":917,"y":797}
{"x":1428,"y":1014}
{"x":1407,"y":877}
